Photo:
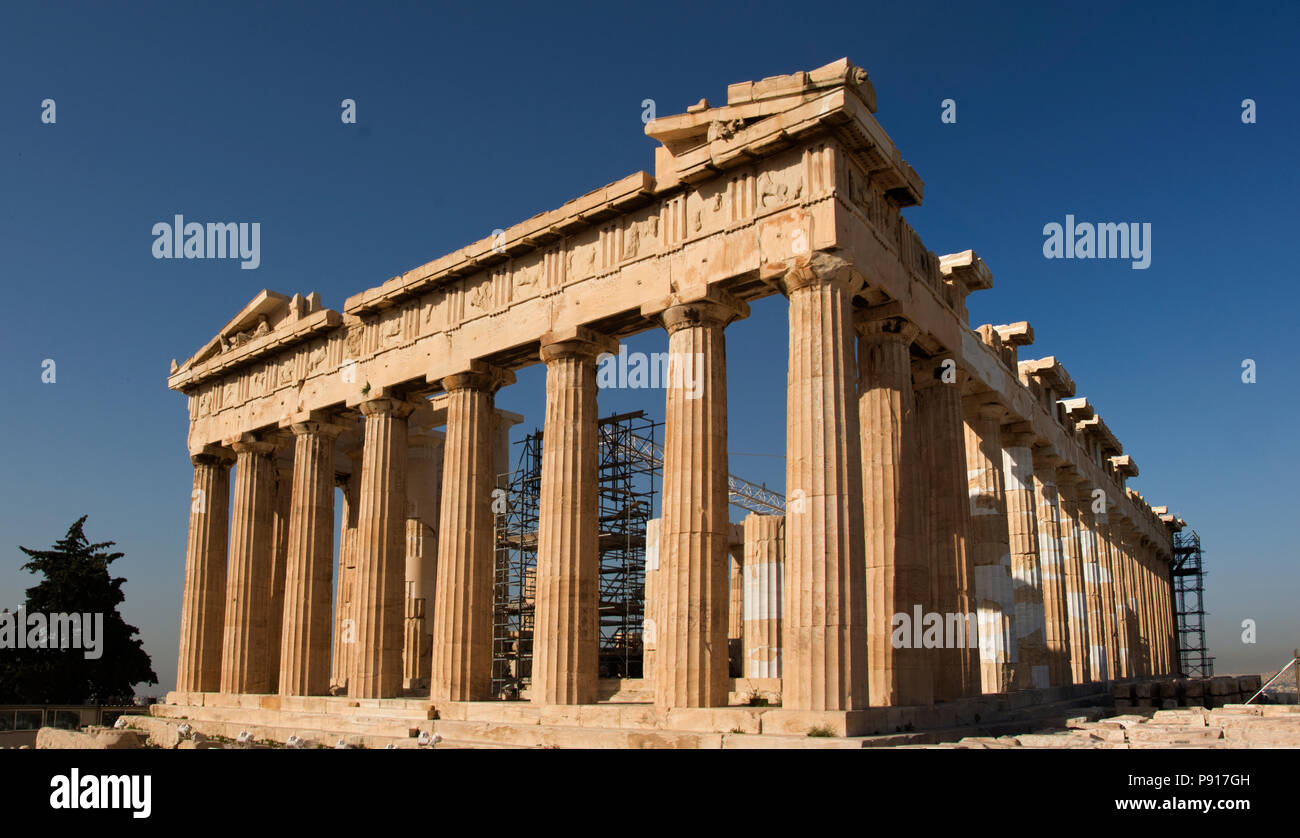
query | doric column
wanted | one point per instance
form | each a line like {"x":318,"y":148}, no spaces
{"x":764,"y":580}
{"x":1171,"y":659}
{"x":652,"y":618}
{"x":462,"y":611}
{"x":246,"y":648}
{"x":1099,"y":526}
{"x":1026,"y":567}
{"x":1096,"y":588}
{"x":825,"y":655}
{"x":736,"y":603}
{"x":1051,"y":556}
{"x":937,"y":385}
{"x":423,"y":483}
{"x":345,"y":621}
{"x":1076,"y":598}
{"x":991,"y":549}
{"x":279,"y":557}
{"x":898,"y":569}
{"x":305,"y":632}
{"x":203,"y":605}
{"x":1123,"y":532}
{"x":695,"y":527}
{"x":566,"y":636}
{"x":1113,"y":595}
{"x":381,"y":551}
{"x":1140,"y":549}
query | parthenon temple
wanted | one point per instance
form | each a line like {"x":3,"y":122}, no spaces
{"x":936,"y":472}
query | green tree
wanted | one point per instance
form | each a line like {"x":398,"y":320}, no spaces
{"x":76,"y":581}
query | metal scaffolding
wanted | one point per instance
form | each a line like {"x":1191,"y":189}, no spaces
{"x":627,"y":483}
{"x":1188,"y":573}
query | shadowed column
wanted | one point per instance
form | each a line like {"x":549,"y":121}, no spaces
{"x":305,"y":643}
{"x":345,"y":621}
{"x":898,"y":569}
{"x":279,"y":559}
{"x":1096,"y":582}
{"x":462,"y":611}
{"x":423,"y":483}
{"x":937,"y":387}
{"x":1113,"y":594}
{"x":245,"y":649}
{"x":1076,"y":599}
{"x":764,"y":581}
{"x":381,"y":554}
{"x":691,"y":666}
{"x":566,"y":637}
{"x":203,"y":606}
{"x":1051,"y":559}
{"x":1026,"y":568}
{"x":991,"y":549}
{"x":824,"y":664}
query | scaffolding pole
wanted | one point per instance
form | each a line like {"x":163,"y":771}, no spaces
{"x":1188,"y":570}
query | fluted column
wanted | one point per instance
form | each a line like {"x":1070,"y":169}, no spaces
{"x":305,"y":632}
{"x":695,"y":526}
{"x":203,"y":605}
{"x":650,"y":622}
{"x":1051,"y":554}
{"x":1144,"y":594}
{"x":345,"y":621}
{"x":991,"y":553}
{"x":898,"y":569}
{"x":763,"y":584}
{"x":566,"y":636}
{"x":245,"y":644}
{"x":423,"y":483}
{"x":937,"y":385}
{"x":1115,"y":651}
{"x":1115,"y":603}
{"x":1123,"y":534}
{"x":462,"y":611}
{"x":825,"y":655}
{"x":736,"y":601}
{"x":381,"y":553}
{"x":1175,"y":656}
{"x":1096,"y":586}
{"x":1076,"y":598}
{"x":1093,"y":615}
{"x":279,"y":561}
{"x":1026,"y":567}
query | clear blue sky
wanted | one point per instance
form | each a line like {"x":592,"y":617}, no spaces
{"x":475,"y":118}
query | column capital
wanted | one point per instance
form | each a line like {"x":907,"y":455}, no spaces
{"x":480,"y":376}
{"x":381,"y":406}
{"x":818,"y":269}
{"x":876,"y":327}
{"x":1046,"y":456}
{"x":983,"y":407}
{"x":709,"y":307}
{"x":941,"y":369}
{"x":576,"y":341}
{"x":213,"y":455}
{"x":251,"y":443}
{"x":1019,"y":435}
{"x":325,"y":429}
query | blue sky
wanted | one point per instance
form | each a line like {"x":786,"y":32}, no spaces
{"x":477,"y":117}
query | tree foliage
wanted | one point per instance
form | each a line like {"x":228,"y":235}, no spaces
{"x":76,"y":581}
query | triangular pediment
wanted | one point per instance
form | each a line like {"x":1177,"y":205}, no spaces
{"x":265,"y":314}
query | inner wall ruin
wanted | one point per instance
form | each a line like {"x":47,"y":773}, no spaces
{"x":932,"y":469}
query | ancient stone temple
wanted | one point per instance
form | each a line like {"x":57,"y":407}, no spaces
{"x":957,"y":526}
